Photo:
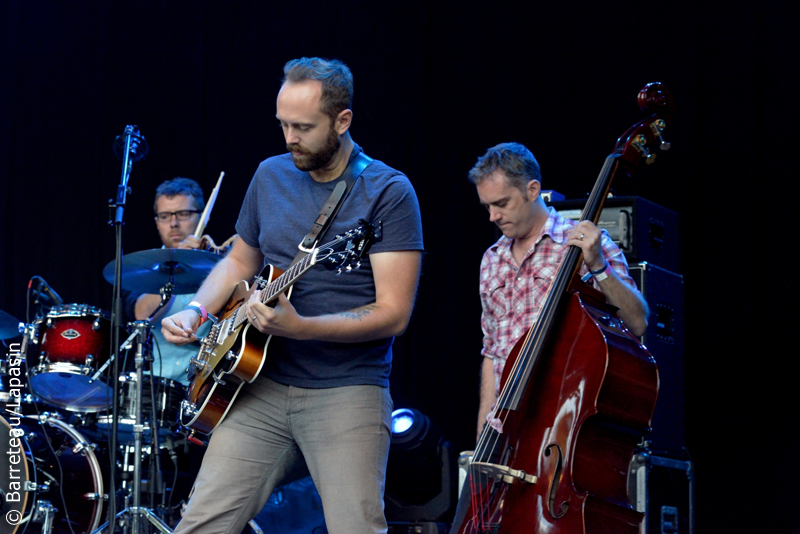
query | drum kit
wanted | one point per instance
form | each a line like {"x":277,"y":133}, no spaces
{"x":57,"y":406}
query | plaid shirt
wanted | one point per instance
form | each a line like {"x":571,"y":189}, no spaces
{"x":511,"y":296}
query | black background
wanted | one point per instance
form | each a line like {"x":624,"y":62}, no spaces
{"x":436,"y":84}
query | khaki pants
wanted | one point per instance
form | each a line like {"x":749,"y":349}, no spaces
{"x":344,"y":434}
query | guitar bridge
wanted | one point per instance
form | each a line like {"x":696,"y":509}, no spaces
{"x":198,"y":365}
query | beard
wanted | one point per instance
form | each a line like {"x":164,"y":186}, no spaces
{"x":312,"y":161}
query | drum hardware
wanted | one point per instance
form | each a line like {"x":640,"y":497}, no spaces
{"x":132,"y":515}
{"x":44,"y":513}
{"x":15,"y":399}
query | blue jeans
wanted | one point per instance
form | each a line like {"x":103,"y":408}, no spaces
{"x":344,"y":434}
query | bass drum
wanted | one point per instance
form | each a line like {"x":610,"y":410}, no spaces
{"x":63,"y":477}
{"x":15,"y":478}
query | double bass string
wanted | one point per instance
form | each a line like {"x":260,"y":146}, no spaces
{"x":487,"y":448}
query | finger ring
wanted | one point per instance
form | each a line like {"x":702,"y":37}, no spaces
{"x":581,"y":238}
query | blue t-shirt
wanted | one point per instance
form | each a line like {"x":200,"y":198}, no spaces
{"x":281,"y":204}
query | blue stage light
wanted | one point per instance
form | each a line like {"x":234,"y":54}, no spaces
{"x":402,"y":420}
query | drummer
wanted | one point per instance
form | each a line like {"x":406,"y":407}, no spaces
{"x":178,"y":205}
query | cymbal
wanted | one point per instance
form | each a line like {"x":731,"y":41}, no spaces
{"x":9,"y":326}
{"x":147,"y":271}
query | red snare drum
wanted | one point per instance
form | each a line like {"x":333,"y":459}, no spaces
{"x":68,"y":348}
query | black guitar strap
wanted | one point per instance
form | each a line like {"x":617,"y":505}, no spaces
{"x":358,"y":162}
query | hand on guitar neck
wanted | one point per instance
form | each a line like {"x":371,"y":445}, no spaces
{"x":278,"y":320}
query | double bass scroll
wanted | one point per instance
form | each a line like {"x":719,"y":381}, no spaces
{"x":577,"y":393}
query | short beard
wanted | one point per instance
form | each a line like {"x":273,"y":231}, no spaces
{"x":312,"y":161}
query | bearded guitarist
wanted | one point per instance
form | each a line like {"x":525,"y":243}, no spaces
{"x":323,"y":387}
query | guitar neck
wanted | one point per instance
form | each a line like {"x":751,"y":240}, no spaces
{"x":282,"y":283}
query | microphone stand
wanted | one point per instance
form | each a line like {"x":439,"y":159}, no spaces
{"x":130,"y":147}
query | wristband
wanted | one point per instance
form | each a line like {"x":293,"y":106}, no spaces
{"x":200,"y":309}
{"x":599,"y":274}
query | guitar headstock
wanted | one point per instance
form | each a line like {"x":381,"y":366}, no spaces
{"x":348,"y":249}
{"x":636,"y":145}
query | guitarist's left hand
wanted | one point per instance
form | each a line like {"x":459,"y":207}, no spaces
{"x":282,"y":320}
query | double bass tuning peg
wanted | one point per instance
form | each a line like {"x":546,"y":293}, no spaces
{"x":640,"y":143}
{"x":658,"y":127}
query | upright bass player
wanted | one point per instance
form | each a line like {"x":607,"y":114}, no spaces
{"x":516,"y":271}
{"x":516,"y":276}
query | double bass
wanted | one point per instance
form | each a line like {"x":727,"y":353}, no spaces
{"x":577,"y":394}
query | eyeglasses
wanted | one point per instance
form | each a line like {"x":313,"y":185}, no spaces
{"x":182,"y":215}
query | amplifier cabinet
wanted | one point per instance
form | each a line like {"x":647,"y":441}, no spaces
{"x":664,"y":338}
{"x":662,"y":488}
{"x":643,"y":230}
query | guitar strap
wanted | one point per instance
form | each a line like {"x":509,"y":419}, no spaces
{"x":358,"y":162}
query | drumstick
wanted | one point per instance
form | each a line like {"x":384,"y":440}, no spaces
{"x":201,"y":225}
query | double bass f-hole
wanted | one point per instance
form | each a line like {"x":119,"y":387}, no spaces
{"x":555,"y":482}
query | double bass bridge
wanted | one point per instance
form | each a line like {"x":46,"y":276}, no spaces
{"x":503,"y":473}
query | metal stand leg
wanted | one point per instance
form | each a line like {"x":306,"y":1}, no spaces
{"x":132,"y":516}
{"x":45,"y":512}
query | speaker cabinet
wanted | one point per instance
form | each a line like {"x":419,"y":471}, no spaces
{"x":664,"y":338}
{"x":643,"y":230}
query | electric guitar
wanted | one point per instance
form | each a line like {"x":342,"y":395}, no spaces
{"x":233,"y":352}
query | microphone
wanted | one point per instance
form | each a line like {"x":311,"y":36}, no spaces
{"x":48,"y":292}
{"x":138,"y":144}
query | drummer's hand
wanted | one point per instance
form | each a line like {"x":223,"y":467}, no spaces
{"x":180,"y":327}
{"x":282,"y":320}
{"x":190,"y":242}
